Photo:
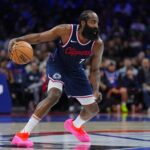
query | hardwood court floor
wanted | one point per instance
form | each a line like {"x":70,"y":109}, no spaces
{"x":115,"y":132}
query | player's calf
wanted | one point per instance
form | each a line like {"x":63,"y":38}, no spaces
{"x":92,"y":109}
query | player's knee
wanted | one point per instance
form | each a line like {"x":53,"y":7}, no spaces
{"x":54,"y":94}
{"x":94,"y":109}
{"x":123,"y":90}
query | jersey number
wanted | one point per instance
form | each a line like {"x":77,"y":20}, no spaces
{"x":81,"y":61}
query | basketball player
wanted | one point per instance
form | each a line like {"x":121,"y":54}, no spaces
{"x":64,"y":68}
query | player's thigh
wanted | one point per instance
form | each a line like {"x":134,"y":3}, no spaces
{"x":77,"y":85}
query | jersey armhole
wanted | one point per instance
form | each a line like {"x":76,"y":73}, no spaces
{"x":71,"y":31}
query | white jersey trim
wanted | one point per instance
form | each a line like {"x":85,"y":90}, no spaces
{"x":54,"y":84}
{"x":83,"y":44}
{"x":69,"y":37}
{"x":86,"y":100}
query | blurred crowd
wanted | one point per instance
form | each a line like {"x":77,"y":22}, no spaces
{"x":125,"y":70}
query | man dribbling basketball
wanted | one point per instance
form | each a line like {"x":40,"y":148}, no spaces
{"x":64,"y":68}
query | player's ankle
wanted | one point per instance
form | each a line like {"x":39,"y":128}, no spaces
{"x":78,"y":122}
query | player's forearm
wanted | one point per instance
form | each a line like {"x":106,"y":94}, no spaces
{"x":95,"y":80}
{"x":30,"y":38}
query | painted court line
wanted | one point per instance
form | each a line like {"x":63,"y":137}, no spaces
{"x":95,"y":131}
{"x":139,"y":148}
{"x":91,"y":132}
{"x":121,"y":137}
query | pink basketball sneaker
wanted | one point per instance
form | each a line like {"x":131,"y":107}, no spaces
{"x":21,"y":140}
{"x":79,"y":133}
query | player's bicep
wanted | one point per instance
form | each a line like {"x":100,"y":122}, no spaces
{"x":53,"y":33}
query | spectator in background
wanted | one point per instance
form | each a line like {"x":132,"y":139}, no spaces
{"x":105,"y":63}
{"x":111,"y":51}
{"x":116,"y":29}
{"x":144,"y":78}
{"x":123,"y":7}
{"x":138,"y":25}
{"x":6,"y":71}
{"x":139,"y":58}
{"x":33,"y":86}
{"x":112,"y":82}
{"x":131,"y":83}
{"x":148,"y":51}
{"x":17,"y":88}
{"x":18,"y":72}
{"x":136,"y":45}
{"x":127,"y":64}
{"x":3,"y":54}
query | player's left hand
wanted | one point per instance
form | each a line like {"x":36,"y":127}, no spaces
{"x":98,"y":96}
{"x":10,"y":45}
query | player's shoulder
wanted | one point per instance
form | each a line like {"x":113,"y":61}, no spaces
{"x":99,"y":42}
{"x":64,"y":27}
{"x":63,"y":31}
{"x":98,"y":46}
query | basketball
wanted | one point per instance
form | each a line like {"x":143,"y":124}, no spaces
{"x":21,"y":52}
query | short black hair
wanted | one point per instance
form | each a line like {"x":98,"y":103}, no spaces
{"x":130,"y":68}
{"x":85,"y":15}
{"x":112,"y":63}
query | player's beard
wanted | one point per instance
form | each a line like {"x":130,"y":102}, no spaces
{"x":90,"y":33}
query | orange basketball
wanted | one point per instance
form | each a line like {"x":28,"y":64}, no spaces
{"x":21,"y":52}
